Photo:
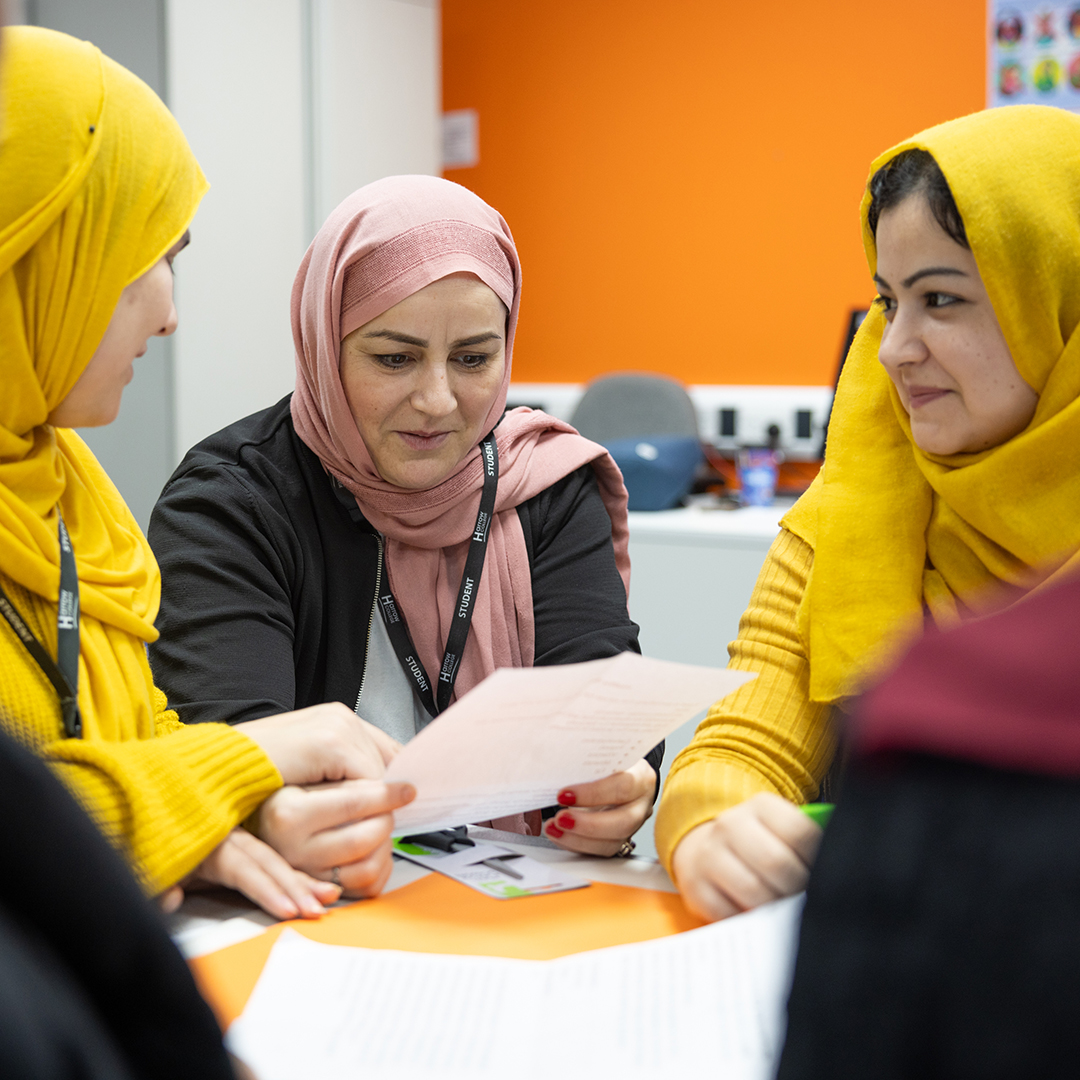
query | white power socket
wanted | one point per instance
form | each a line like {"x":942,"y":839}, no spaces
{"x":799,"y":412}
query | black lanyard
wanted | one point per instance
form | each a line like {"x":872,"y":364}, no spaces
{"x":470,"y":583}
{"x":63,"y":673}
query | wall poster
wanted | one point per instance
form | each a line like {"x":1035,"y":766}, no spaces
{"x":1034,"y":56}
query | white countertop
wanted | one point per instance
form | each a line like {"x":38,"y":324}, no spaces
{"x":702,"y":521}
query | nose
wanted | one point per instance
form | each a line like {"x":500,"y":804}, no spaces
{"x":433,"y":394}
{"x":901,"y":340}
{"x":170,"y":324}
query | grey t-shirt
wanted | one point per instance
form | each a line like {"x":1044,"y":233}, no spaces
{"x":387,"y":700}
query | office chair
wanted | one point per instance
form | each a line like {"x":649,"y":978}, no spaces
{"x":649,"y":425}
{"x":633,"y":405}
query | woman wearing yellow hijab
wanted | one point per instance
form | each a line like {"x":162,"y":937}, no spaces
{"x":97,"y":188}
{"x":951,"y":485}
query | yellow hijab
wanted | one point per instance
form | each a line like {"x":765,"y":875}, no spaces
{"x":97,"y":182}
{"x":896,"y":531}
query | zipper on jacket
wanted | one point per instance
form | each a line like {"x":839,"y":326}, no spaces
{"x":371,"y":622}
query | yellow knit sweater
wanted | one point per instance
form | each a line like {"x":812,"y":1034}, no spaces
{"x":166,"y":793}
{"x":768,"y":736}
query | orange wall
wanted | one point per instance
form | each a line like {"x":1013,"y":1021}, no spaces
{"x":683,"y":178}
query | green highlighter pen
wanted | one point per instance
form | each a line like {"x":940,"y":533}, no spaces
{"x":818,"y":812}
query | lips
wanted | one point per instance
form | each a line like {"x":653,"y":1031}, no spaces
{"x":424,"y":440}
{"x":918,"y":396}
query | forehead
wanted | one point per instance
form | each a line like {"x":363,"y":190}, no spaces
{"x":457,"y":297}
{"x":909,"y":232}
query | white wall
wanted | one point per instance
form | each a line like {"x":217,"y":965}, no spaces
{"x":138,"y":450}
{"x":377,"y":93}
{"x":289,"y":105}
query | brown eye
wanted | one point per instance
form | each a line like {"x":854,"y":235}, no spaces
{"x":394,"y":361}
{"x":472,"y":360}
{"x":940,"y":299}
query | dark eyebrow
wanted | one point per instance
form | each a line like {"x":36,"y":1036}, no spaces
{"x":408,"y":339}
{"x":477,"y":339}
{"x":930,"y":271}
{"x":393,"y":335}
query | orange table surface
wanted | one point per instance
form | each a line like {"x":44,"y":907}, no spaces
{"x":437,"y":915}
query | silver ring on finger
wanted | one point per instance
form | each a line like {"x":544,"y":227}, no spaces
{"x":626,"y":850}
{"x":335,"y":876}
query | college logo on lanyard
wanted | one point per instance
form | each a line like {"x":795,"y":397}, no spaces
{"x":63,"y":672}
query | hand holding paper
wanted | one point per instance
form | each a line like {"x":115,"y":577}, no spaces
{"x":513,"y":742}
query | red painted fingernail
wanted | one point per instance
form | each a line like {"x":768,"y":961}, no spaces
{"x":554,"y":830}
{"x":565,"y":821}
{"x":567,"y":798}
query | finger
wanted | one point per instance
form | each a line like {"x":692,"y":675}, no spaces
{"x":789,"y":823}
{"x":321,"y":742}
{"x":616,"y":823}
{"x":355,"y":800}
{"x":620,"y":787}
{"x":242,"y":873}
{"x":583,"y":846}
{"x":388,"y":748}
{"x":171,"y":899}
{"x":707,"y":902}
{"x":366,"y":877}
{"x":305,"y":892}
{"x":326,"y":892}
{"x":726,"y":872}
{"x":343,"y":846}
{"x":327,"y":806}
{"x":771,"y":860}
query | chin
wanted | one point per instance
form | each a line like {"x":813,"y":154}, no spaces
{"x":103,"y":417}
{"x":942,"y":445}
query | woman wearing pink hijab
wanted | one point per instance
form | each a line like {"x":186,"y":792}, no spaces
{"x":386,"y":537}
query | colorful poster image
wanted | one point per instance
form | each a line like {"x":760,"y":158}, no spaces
{"x":1034,"y":53}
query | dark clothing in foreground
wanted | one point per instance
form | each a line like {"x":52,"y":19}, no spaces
{"x":91,"y":987}
{"x":941,"y":934}
{"x":268,"y":583}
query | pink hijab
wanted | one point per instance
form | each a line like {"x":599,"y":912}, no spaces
{"x":383,"y":243}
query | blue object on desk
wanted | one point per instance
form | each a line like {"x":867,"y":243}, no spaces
{"x":658,"y":469}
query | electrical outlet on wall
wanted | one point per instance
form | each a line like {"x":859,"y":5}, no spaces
{"x":728,"y":416}
{"x":734,"y":416}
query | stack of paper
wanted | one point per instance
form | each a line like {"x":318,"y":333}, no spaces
{"x":515,"y":741}
{"x":709,"y":1002}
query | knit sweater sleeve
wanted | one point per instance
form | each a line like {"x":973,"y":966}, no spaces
{"x":165,"y":793}
{"x":167,"y":802}
{"x":767,"y":736}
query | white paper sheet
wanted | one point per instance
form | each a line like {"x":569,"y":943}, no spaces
{"x":516,"y":740}
{"x":709,"y":1002}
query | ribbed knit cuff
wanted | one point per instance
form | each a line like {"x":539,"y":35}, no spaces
{"x":227,"y":763}
{"x":169,"y":800}
{"x":696,"y":793}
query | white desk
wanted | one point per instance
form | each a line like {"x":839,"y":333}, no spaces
{"x":692,"y":572}
{"x":208,"y":922}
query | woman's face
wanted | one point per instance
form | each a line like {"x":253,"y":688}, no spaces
{"x":942,"y":346}
{"x":421,"y":379}
{"x":145,"y":310}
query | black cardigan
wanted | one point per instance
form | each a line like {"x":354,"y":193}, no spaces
{"x":268,"y":583}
